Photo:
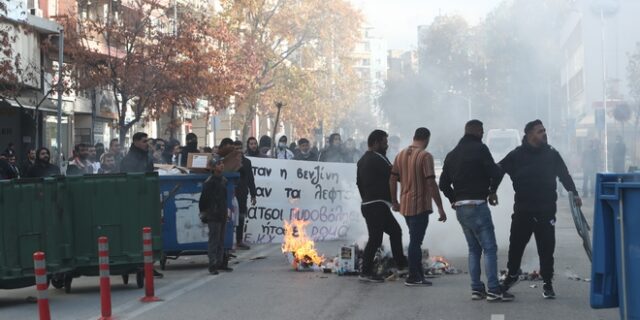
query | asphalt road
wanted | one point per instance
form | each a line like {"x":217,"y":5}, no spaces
{"x":263,"y":286}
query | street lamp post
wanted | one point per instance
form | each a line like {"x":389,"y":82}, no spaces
{"x":60,"y":90}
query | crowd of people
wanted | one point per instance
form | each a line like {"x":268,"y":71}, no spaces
{"x":469,"y":180}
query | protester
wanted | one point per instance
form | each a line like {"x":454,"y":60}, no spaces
{"x":619,"y":155}
{"x":214,"y":213}
{"x":108,"y":164}
{"x":28,"y":162}
{"x":10,"y":150}
{"x":158,"y":153}
{"x":282,"y":151}
{"x":334,"y":151}
{"x":414,"y":169}
{"x":470,"y":168}
{"x":252,"y":148}
{"x":265,"y":146}
{"x":116,"y":150}
{"x":80,"y":164}
{"x":304,"y":152}
{"x":246,"y":186}
{"x":42,"y":166}
{"x":5,"y":171}
{"x":10,"y":167}
{"x":590,"y":164}
{"x":99,"y":151}
{"x":351,"y":153}
{"x":138,"y":159}
{"x":167,"y":155}
{"x":533,"y":168}
{"x":374,"y":171}
{"x":93,"y":159}
{"x":191,"y":147}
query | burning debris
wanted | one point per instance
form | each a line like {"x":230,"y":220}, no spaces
{"x":438,"y":265}
{"x":524,"y":276}
{"x":299,"y":248}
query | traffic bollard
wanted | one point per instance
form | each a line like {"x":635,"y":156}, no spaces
{"x":41,"y":285}
{"x":147,"y":246}
{"x":105,"y":282}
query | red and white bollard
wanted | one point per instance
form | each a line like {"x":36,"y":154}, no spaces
{"x":147,"y":247}
{"x":105,"y":282}
{"x":41,"y":285}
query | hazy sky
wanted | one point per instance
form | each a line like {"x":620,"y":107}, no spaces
{"x":397,"y":20}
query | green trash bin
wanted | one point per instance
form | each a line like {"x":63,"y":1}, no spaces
{"x":33,"y":217}
{"x":116,"y":206}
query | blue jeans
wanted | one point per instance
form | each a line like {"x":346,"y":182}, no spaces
{"x":417,"y":228}
{"x":478,"y":230}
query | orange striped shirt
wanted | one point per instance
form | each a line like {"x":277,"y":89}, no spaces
{"x":414,"y":167}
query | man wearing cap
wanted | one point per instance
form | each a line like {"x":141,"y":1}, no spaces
{"x":214,"y":212}
{"x":534,"y":168}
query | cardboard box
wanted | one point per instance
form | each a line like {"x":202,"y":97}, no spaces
{"x":199,"y":162}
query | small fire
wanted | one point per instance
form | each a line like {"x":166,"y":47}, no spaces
{"x":297,"y":243}
{"x":441,"y":260}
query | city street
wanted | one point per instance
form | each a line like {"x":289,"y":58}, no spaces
{"x":264,"y":286}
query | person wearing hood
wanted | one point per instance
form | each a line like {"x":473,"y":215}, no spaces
{"x":304,"y":151}
{"x":534,"y":168}
{"x":334,"y":152}
{"x":265,"y":146}
{"x":42,"y":167}
{"x":191,"y":147}
{"x":138,"y":159}
{"x":282,"y":150}
{"x":252,"y":148}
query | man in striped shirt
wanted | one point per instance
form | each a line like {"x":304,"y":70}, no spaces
{"x":414,"y":169}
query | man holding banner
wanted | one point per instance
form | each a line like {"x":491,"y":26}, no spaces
{"x":414,"y":169}
{"x":374,"y":171}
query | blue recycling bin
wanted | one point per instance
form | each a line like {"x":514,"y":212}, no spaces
{"x":616,"y":244}
{"x":182,"y":231}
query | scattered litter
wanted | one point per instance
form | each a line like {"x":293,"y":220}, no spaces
{"x":258,"y":258}
{"x":31,"y":299}
{"x":533,"y":286}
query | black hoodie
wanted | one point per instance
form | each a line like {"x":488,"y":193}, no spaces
{"x":137,"y":160}
{"x":534,"y":172}
{"x":471,"y":170}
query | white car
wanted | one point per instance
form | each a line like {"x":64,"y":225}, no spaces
{"x":502,"y":141}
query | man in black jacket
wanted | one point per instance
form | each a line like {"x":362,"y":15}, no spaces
{"x":138,"y":159}
{"x":469,"y":167}
{"x":214,"y":213}
{"x":374,"y":171}
{"x":534,"y":168}
{"x":191,"y":147}
{"x":42,"y":167}
{"x":246,"y":185}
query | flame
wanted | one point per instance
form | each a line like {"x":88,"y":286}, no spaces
{"x":442,"y":260}
{"x":299,"y":244}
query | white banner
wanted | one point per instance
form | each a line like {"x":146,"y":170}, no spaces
{"x":325,"y":194}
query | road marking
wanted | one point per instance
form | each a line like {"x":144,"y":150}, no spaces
{"x":497,"y":317}
{"x":179,"y":288}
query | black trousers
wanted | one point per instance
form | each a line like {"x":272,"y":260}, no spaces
{"x":544,"y":230}
{"x":242,"y":215}
{"x":380,"y":220}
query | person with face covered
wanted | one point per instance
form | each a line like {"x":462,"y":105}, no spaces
{"x":374,"y":172}
{"x":534,"y":168}
{"x":42,"y":167}
{"x":304,"y":151}
{"x":282,"y":150}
